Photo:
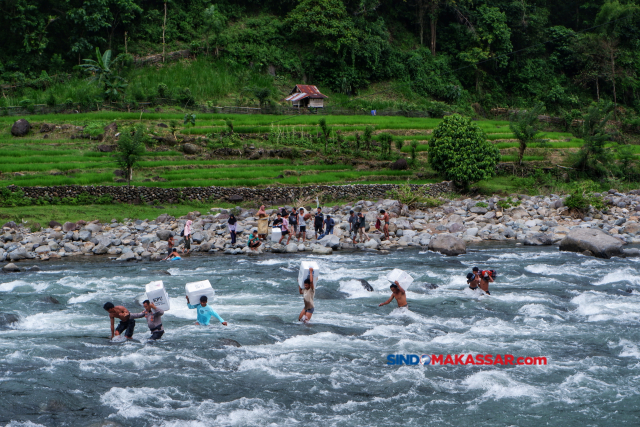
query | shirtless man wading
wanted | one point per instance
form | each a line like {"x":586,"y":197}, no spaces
{"x":398,"y":293}
{"x":126,"y":322}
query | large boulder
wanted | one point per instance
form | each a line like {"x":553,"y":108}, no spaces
{"x":322,"y":250}
{"x":447,"y":244}
{"x":11,"y":268}
{"x":69,"y":226}
{"x":277,"y":248}
{"x":190,"y":149}
{"x":18,"y":254}
{"x":100,"y":249}
{"x":539,"y":239}
{"x":331,"y":241}
{"x":235,"y":198}
{"x":593,"y":240}
{"x":400,"y":164}
{"x":291,"y":248}
{"x":163,"y":234}
{"x":20,"y":128}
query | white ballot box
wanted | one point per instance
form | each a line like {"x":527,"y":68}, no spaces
{"x":197,"y":289}
{"x":402,"y":277}
{"x":304,"y":272}
{"x":276,"y":234}
{"x":158,"y":295}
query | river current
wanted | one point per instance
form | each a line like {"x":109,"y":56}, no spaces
{"x":58,"y":367}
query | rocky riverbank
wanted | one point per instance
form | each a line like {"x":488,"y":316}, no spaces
{"x":447,"y":229}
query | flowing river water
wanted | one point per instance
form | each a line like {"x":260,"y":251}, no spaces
{"x":58,"y":367}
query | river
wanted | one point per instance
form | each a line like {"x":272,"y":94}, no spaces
{"x":58,"y":367}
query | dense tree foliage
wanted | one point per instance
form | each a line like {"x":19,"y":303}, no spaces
{"x":490,"y":52}
{"x":459,"y":151}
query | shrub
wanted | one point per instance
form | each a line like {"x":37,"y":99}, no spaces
{"x":482,"y":205}
{"x":460,"y":152}
{"x":582,"y":197}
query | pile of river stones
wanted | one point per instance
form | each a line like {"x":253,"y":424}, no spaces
{"x":447,"y":229}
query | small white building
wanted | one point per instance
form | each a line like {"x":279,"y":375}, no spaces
{"x":306,"y":96}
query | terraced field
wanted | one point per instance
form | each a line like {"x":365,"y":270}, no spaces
{"x":56,"y":159}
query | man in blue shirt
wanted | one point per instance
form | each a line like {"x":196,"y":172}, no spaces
{"x":205,"y":312}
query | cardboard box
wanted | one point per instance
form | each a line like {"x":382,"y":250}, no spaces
{"x":157,"y":295}
{"x":276,"y":234}
{"x":195,"y":290}
{"x":303,"y":273}
{"x":402,"y":277}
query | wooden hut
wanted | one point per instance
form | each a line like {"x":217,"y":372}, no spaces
{"x":306,"y":96}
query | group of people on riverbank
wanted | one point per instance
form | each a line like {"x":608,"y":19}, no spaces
{"x":292,"y":224}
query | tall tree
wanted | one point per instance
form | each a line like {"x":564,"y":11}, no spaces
{"x":526,"y":126}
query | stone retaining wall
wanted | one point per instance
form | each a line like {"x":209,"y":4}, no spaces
{"x":268,"y":195}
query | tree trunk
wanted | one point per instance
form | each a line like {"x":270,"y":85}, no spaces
{"x":164,"y":27}
{"x":420,"y":6}
{"x":613,"y":81}
{"x":125,"y":42}
{"x":523,"y":147}
{"x":129,"y":176}
{"x":433,"y":20}
{"x":597,"y":89}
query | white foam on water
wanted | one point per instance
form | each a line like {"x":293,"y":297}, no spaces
{"x":354,"y":289}
{"x":82,"y":298}
{"x":139,"y":360}
{"x":143,"y":402}
{"x":599,"y":307}
{"x":23,"y":424}
{"x":628,"y":275}
{"x":538,"y":310}
{"x":499,"y":385}
{"x":629,"y":349}
{"x":555,"y":270}
{"x":272,"y":261}
{"x":22,"y":286}
{"x":55,"y":321}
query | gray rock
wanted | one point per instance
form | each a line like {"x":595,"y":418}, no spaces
{"x":20,"y":128}
{"x":163,"y":234}
{"x":472,"y":232}
{"x":7,"y":319}
{"x":42,"y":249}
{"x":331,"y":241}
{"x":11,"y":268}
{"x":291,"y":248}
{"x":277,"y":248}
{"x":84,"y":235}
{"x":366,"y":285}
{"x":94,"y":228}
{"x":371,"y":244}
{"x":478,"y":210}
{"x":148,"y":239}
{"x":631,"y":252}
{"x":456,"y":227}
{"x":539,"y":239}
{"x":205,"y":247}
{"x":594,"y":240}
{"x":322,"y":250}
{"x":10,"y":224}
{"x":127,"y":256}
{"x":69,"y":247}
{"x":190,"y":149}
{"x":198,"y":237}
{"x":228,"y":341}
{"x":447,"y":244}
{"x":100,"y":249}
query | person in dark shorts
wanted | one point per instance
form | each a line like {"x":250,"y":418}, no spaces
{"x":154,"y":319}
{"x":254,"y":241}
{"x":318,"y":222}
{"x":293,"y":222}
{"x":171,"y":242}
{"x":126,"y":322}
{"x":473,"y":281}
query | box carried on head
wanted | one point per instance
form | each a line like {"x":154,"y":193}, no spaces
{"x":401,"y":277}
{"x":195,"y":290}
{"x":157,"y":295}
{"x":303,"y":274}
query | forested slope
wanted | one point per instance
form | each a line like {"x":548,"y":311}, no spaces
{"x":484,"y":53}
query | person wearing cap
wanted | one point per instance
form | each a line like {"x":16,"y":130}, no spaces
{"x":473,"y":281}
{"x":399,"y":294}
{"x":254,"y":241}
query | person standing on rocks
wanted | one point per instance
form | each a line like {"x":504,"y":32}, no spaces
{"x":361,"y":228}
{"x":187,"y":237}
{"x":353,"y":225}
{"x":232,"y":228}
{"x":293,"y":223}
{"x":205,"y":312}
{"x":285,"y":229}
{"x":384,"y":218}
{"x":329,"y":223}
{"x":127,"y":324}
{"x":399,"y":294}
{"x":263,"y":223}
{"x":308,"y":293}
{"x":318,"y":222}
{"x":154,"y":319}
{"x":303,"y":225}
